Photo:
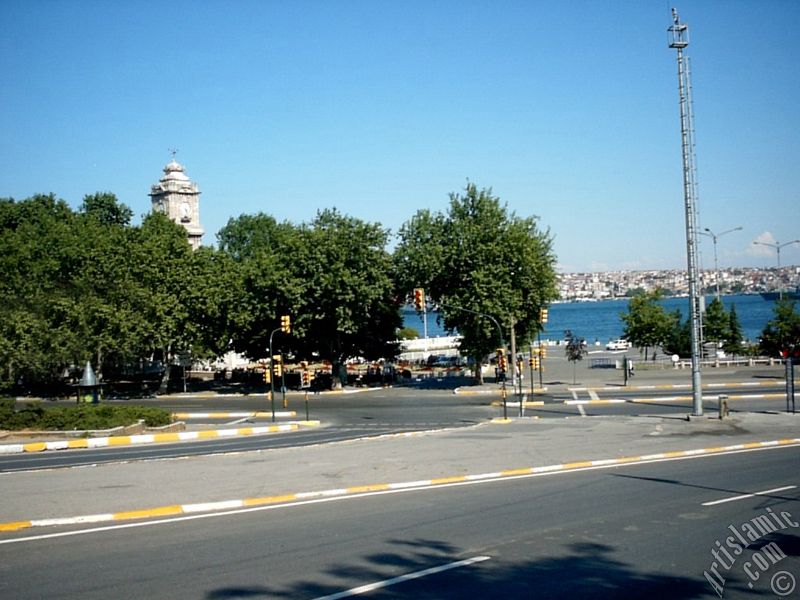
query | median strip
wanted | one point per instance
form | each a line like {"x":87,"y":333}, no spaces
{"x":263,"y":501}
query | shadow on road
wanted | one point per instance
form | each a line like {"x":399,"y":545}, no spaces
{"x":577,"y":570}
{"x":703,"y":487}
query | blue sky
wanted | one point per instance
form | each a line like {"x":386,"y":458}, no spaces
{"x":567,"y":110}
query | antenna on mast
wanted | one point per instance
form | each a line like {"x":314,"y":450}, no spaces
{"x":679,"y":39}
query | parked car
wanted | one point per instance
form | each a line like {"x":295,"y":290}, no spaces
{"x":620,"y":344}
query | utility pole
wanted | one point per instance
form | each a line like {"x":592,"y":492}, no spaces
{"x":679,"y":39}
{"x":512,"y":360}
{"x":714,"y":237}
{"x":778,"y":247}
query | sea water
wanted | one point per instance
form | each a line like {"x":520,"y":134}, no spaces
{"x":601,"y":320}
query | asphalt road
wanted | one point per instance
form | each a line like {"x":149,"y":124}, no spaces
{"x":624,"y":532}
{"x":432,"y":405}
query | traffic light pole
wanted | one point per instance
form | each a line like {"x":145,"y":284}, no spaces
{"x":272,"y":374}
{"x":283,"y":383}
{"x":530,"y":365}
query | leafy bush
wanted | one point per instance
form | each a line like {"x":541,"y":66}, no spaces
{"x":84,"y":416}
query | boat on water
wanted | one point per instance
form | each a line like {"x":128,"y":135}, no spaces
{"x":788,"y":294}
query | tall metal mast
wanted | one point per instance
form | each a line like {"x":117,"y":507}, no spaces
{"x":679,"y":39}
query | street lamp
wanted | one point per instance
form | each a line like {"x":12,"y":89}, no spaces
{"x":778,"y":247}
{"x":714,"y":237}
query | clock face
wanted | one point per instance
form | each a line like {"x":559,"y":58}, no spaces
{"x":185,"y":212}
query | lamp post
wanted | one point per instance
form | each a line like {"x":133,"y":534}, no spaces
{"x":714,"y":237}
{"x":778,"y":247}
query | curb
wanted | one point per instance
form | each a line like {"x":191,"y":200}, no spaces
{"x":232,"y":415}
{"x":207,"y":507}
{"x":152,"y":438}
{"x":515,"y":403}
{"x":470,"y":392}
{"x":675,"y":386}
{"x":731,"y":398}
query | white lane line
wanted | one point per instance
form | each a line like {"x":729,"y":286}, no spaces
{"x":394,"y":580}
{"x":581,"y":410}
{"x":743,"y":496}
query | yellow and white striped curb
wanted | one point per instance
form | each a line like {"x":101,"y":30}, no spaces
{"x":514,"y":403}
{"x":186,"y":509}
{"x":150,"y":438}
{"x":582,"y":402}
{"x":658,"y":400}
{"x":677,"y":386}
{"x":232,"y":415}
{"x":492,"y":392}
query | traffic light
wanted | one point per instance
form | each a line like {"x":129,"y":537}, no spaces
{"x":542,"y":315}
{"x":543,"y":352}
{"x":277,"y":363}
{"x":305,"y":378}
{"x":419,"y":299}
{"x":286,"y":324}
{"x":267,"y":375}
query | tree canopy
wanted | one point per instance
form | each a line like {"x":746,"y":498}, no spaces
{"x":88,"y":285}
{"x":332,"y":276}
{"x":646,"y":324}
{"x":482,"y":266}
{"x":783,"y":331}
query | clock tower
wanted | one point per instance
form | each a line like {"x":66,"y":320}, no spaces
{"x":178,"y":198}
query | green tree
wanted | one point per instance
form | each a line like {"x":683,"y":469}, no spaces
{"x":266,"y":254}
{"x":38,"y":255}
{"x":646,"y":322}
{"x":783,"y":331}
{"x":679,"y":336}
{"x":348,"y":307}
{"x":332,"y":276}
{"x":733,"y":345}
{"x":478,"y":260}
{"x":106,"y":209}
{"x":162,"y":261}
{"x":574,"y":350}
{"x":716,"y":323}
{"x":407,"y":333}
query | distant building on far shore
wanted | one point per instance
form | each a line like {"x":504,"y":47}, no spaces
{"x":179,"y":198}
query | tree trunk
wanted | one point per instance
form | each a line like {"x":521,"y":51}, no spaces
{"x":164,"y":387}
{"x":336,"y":374}
{"x":99,"y":371}
{"x":478,"y":370}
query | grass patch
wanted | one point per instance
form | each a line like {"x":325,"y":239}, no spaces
{"x":84,"y":416}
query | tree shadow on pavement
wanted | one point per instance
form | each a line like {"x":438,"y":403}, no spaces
{"x":578,"y":570}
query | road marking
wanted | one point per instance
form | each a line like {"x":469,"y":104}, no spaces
{"x":408,"y":577}
{"x":581,"y":410}
{"x":743,"y":496}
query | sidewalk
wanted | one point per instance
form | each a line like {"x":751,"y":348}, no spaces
{"x":149,"y":489}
